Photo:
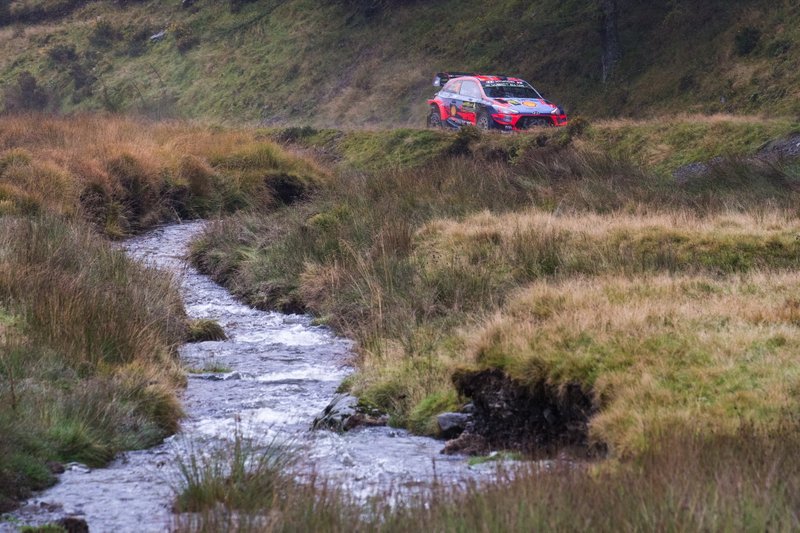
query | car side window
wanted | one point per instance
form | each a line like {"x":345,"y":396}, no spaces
{"x":453,"y":87}
{"x":470,"y":89}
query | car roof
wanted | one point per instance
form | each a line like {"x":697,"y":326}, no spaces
{"x":489,"y":77}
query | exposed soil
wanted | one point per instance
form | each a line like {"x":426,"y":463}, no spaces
{"x":541,"y":420}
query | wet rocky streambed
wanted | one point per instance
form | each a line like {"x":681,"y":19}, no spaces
{"x":280,"y":372}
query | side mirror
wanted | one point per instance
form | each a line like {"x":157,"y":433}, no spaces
{"x":437,"y":81}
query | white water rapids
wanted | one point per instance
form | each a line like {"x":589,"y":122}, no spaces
{"x":283,"y":372}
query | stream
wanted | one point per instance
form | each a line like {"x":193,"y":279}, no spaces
{"x":280,"y":371}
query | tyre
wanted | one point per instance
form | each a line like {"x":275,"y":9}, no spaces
{"x":484,"y":121}
{"x":434,"y":118}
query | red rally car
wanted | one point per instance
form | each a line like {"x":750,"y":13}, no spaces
{"x":490,"y":102}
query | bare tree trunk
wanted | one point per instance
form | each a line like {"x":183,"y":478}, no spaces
{"x":612,"y":52}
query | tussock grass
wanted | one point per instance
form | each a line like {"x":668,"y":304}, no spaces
{"x":83,"y":298}
{"x":531,"y":245}
{"x":245,"y":475}
{"x":658,"y":352}
{"x":688,"y":483}
{"x":125,"y":175}
{"x":205,"y":330}
{"x":87,"y":359}
{"x":668,"y":142}
{"x":246,"y":484}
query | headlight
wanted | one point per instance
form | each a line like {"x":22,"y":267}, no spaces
{"x":557,"y":111}
{"x":506,"y":111}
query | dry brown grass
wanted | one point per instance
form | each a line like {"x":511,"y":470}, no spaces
{"x":125,"y":174}
{"x":467,"y":267}
{"x":410,"y":262}
{"x":659,"y":353}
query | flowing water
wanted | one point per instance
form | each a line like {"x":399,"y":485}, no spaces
{"x":280,"y":372}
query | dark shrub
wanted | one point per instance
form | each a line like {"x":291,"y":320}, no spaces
{"x":236,"y":5}
{"x":185,"y":37}
{"x":746,"y":40}
{"x":287,"y":188}
{"x":137,"y":41}
{"x":104,"y":34}
{"x":463,"y":139}
{"x":62,"y":53}
{"x":5,"y":13}
{"x":25,"y":95}
{"x":295,"y":133}
{"x":778,"y":47}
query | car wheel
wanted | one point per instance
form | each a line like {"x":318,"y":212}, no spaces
{"x":484,"y":121}
{"x":434,"y":118}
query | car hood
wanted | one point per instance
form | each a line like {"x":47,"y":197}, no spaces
{"x":525,"y":105}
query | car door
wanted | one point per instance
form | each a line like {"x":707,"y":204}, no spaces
{"x":470,"y":99}
{"x":452,"y":101}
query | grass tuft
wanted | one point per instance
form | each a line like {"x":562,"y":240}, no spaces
{"x":205,"y":330}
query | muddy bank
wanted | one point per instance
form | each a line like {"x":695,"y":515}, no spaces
{"x":539,"y":420}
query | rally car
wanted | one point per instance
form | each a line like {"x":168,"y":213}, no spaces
{"x":490,"y":102}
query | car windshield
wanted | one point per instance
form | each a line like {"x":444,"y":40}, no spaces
{"x":509,"y":89}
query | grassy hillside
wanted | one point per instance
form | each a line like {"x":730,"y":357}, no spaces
{"x":343,"y":64}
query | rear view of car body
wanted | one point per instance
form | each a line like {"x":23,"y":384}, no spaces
{"x":490,"y":102}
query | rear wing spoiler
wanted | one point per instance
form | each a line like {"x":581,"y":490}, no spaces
{"x":443,"y":77}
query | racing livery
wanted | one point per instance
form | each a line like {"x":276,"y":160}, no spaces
{"x":490,"y":102}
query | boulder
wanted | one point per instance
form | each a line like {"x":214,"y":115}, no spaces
{"x":451,"y":425}
{"x":344,"y":414}
{"x":74,"y":524}
{"x":336,"y":414}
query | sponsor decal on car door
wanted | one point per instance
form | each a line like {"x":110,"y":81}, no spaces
{"x":450,"y":102}
{"x":470,"y":98}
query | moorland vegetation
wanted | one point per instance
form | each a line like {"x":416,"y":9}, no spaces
{"x":88,"y":337}
{"x":648,"y":262}
{"x":586,"y":257}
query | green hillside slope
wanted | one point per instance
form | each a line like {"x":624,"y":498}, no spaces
{"x":349,"y":62}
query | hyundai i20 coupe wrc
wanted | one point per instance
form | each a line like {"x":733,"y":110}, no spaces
{"x":490,"y":102}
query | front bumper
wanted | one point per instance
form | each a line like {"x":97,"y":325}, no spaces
{"x":523,"y":122}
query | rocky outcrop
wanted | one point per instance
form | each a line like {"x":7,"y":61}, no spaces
{"x":511,"y":415}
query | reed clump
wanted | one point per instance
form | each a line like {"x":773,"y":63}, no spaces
{"x":88,"y":363}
